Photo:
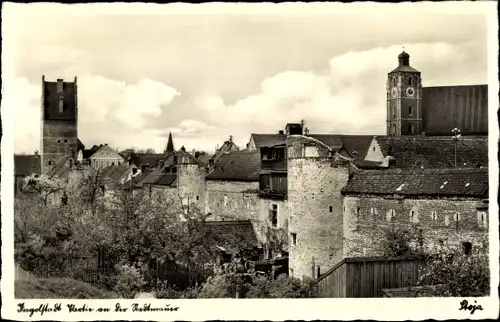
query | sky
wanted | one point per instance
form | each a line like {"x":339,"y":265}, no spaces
{"x":204,"y":77}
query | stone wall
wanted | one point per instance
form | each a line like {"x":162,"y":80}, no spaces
{"x":58,"y":138}
{"x":234,"y":200}
{"x":191,"y":184}
{"x":315,"y":179}
{"x":367,"y":218}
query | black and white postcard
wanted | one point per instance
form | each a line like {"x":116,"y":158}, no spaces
{"x":292,"y":161}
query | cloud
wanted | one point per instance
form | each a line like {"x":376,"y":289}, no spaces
{"x":238,"y":74}
{"x":348,"y":96}
{"x":109,"y":111}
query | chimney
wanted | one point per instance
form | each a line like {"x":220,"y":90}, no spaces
{"x":60,"y":86}
{"x":162,"y":163}
{"x":36,"y":152}
{"x":143,"y":167}
{"x":129,"y":161}
{"x":281,"y":132}
{"x":183,"y":149}
{"x":197,"y":154}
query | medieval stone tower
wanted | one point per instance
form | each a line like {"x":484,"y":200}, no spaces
{"x":59,"y":109}
{"x":316,"y":175}
{"x":191,"y":180}
{"x":404,"y":99}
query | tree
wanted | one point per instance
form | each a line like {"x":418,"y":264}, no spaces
{"x":458,"y":274}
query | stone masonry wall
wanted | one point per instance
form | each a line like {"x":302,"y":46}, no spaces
{"x":264,"y":215}
{"x":233,"y":200}
{"x":315,"y":206}
{"x":367,"y":218}
{"x":58,"y":137}
{"x":191,"y":184}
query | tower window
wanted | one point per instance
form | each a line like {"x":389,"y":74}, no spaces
{"x":411,"y":129}
{"x":273,"y":214}
{"x":410,"y":81}
{"x":294,"y":239}
{"x":65,"y":141}
{"x":331,"y":209}
{"x":410,"y":110}
{"x":394,"y":81}
{"x":467,"y":247}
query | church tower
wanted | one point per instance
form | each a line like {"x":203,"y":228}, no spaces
{"x":404,"y":99}
{"x":59,"y":107}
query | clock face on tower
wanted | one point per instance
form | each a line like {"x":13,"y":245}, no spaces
{"x":394,"y":92}
{"x":410,"y":91}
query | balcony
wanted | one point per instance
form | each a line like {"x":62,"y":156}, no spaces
{"x":273,"y":186}
{"x":273,"y":158}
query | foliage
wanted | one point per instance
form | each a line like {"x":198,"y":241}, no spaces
{"x":458,"y":274}
{"x":403,"y":242}
{"x":166,"y":291}
{"x":129,"y":282}
{"x":277,"y":238}
{"x":282,"y":287}
{"x":233,"y":278}
{"x":58,"y":288}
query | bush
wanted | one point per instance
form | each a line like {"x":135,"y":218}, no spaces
{"x":232,"y":278}
{"x":165,"y":291}
{"x":458,"y":274}
{"x":58,"y":288}
{"x":403,"y":242}
{"x":129,"y":282}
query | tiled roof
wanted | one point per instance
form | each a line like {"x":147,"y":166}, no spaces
{"x":442,"y":182}
{"x":357,"y":145}
{"x":261,"y":140}
{"x":365,"y":164}
{"x":404,"y":68}
{"x":233,"y":235}
{"x":25,"y":165}
{"x":429,"y":152}
{"x":237,"y":166}
{"x":139,"y":179}
{"x":332,"y":140}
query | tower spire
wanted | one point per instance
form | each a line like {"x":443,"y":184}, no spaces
{"x":170,"y":144}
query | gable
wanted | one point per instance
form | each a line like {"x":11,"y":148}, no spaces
{"x":374,"y":152}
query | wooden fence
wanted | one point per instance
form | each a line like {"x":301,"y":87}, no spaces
{"x":366,"y":277}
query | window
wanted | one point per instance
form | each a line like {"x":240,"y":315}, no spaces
{"x":226,"y":203}
{"x":456,"y":216}
{"x":112,"y":163}
{"x":331,"y":208}
{"x":294,"y":239}
{"x":390,"y":214}
{"x":394,"y":81}
{"x":50,"y":162}
{"x":197,"y":197}
{"x":482,"y":219}
{"x":410,"y":81}
{"x":319,"y":272}
{"x":58,"y":141}
{"x":65,"y":141}
{"x":61,"y":104}
{"x":410,"y":111}
{"x":273,"y":215}
{"x":248,"y":204}
{"x":467,"y":247}
{"x":434,"y":215}
{"x":411,"y":128}
{"x":413,"y":216}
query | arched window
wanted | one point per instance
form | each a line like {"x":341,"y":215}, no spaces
{"x":411,"y":128}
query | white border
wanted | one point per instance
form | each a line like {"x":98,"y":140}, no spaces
{"x":348,"y":309}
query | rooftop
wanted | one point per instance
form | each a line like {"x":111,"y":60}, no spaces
{"x":455,"y":182}
{"x":237,"y":166}
{"x":429,"y":152}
